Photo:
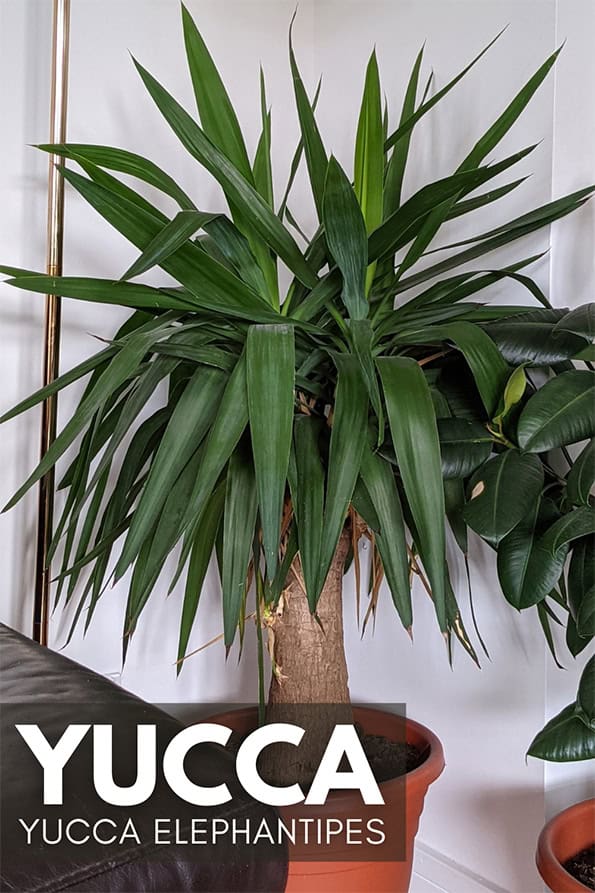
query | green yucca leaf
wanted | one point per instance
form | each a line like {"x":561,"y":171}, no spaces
{"x":380,"y":483}
{"x":167,"y":241}
{"x":238,"y":533}
{"x":187,"y":426}
{"x":124,"y":162}
{"x":242,"y":195}
{"x":295,"y":161}
{"x":484,"y":247}
{"x":78,"y":372}
{"x":395,"y":171}
{"x":307,"y":493}
{"x":406,"y":126}
{"x":316,"y":157}
{"x":228,"y":426}
{"x":217,"y":114}
{"x":559,"y":207}
{"x":415,"y":439}
{"x":362,"y":337}
{"x":405,"y":223}
{"x":369,"y":150}
{"x":466,"y":206}
{"x":263,"y":172}
{"x":369,"y":157}
{"x":347,"y":443}
{"x":100,"y":291}
{"x":212,"y":285}
{"x":270,"y":369}
{"x":202,"y":549}
{"x":120,"y":369}
{"x":510,"y":115}
{"x":346,"y":237}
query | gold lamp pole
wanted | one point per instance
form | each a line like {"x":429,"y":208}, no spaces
{"x":55,"y":232}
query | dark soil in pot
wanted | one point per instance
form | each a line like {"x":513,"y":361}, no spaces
{"x":387,"y":759}
{"x":582,"y":867}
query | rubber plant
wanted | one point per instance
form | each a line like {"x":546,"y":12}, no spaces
{"x":381,"y":396}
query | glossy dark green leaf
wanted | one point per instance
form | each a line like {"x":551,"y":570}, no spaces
{"x":202,"y":549}
{"x":379,"y":481}
{"x":346,"y":237}
{"x":238,"y":190}
{"x":526,"y":569}
{"x":307,"y":493}
{"x":581,"y":476}
{"x":464,"y":446}
{"x":561,"y":412}
{"x":348,"y":437}
{"x":574,"y":525}
{"x":415,"y":438}
{"x":564,"y":739}
{"x":580,"y":321}
{"x":532,"y":339}
{"x":581,"y":586}
{"x":502,"y":491}
{"x":238,"y":532}
{"x":270,"y":366}
{"x":585,"y":699}
{"x":489,"y":369}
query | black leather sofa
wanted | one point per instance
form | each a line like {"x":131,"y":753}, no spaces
{"x":40,"y":686}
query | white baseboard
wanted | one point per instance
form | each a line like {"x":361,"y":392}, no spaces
{"x":435,"y":873}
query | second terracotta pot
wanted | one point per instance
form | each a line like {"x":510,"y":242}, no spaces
{"x":562,"y":838}
{"x":340,"y":873}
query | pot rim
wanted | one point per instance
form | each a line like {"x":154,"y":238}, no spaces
{"x":422,"y":776}
{"x":547,"y":858}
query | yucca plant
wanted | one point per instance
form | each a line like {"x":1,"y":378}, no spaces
{"x":379,"y":397}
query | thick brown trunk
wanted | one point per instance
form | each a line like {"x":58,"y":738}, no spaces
{"x":309,"y":668}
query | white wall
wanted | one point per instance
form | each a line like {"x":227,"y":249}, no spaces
{"x":487,"y":809}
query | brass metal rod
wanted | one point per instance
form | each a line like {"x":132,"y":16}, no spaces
{"x":51,"y":361}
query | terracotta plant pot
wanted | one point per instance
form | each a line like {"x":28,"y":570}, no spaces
{"x":562,"y":838}
{"x":341,"y":873}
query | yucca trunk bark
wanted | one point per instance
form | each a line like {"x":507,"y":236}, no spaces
{"x":309,"y":669}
